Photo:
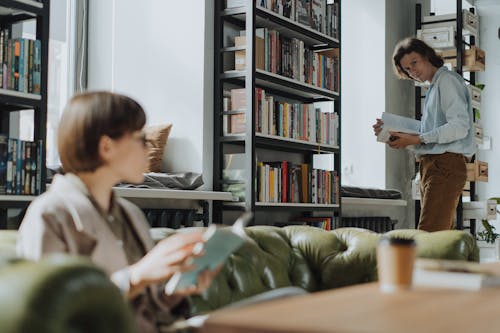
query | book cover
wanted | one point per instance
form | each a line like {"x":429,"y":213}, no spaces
{"x":318,"y":12}
{"x":218,"y":246}
{"x":303,"y":12}
{"x":4,"y":152}
{"x":395,"y":123}
{"x":454,"y":274}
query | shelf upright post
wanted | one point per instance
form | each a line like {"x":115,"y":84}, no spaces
{"x":418,"y":105}
{"x":250,"y":193}
{"x":40,"y":132}
{"x":459,"y":41}
{"x":338,"y":109}
{"x":472,"y":189}
{"x":218,"y":96}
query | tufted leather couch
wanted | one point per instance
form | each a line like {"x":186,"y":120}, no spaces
{"x":59,"y":294}
{"x":63,"y":294}
{"x":314,"y":260}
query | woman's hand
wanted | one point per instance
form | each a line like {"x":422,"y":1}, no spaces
{"x":204,"y":281}
{"x":171,"y":255}
{"x":402,"y":140}
{"x":377,"y":127}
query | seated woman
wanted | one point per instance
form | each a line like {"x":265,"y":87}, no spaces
{"x":100,"y":144}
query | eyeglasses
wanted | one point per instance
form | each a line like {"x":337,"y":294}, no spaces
{"x":141,"y":137}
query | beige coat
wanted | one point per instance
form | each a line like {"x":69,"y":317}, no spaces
{"x":63,"y":219}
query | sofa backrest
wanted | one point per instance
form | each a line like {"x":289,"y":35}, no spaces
{"x":314,"y":260}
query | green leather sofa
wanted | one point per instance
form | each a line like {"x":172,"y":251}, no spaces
{"x":314,"y":260}
{"x":62,"y":294}
{"x":59,"y":294}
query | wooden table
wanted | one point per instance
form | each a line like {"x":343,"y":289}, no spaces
{"x":363,"y":308}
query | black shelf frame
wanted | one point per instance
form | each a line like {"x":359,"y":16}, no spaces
{"x":282,"y":144}
{"x":460,"y":48}
{"x":9,"y":102}
{"x":250,"y":17}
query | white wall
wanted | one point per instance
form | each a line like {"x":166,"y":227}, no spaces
{"x":161,"y":55}
{"x":363,"y":91}
{"x":489,"y":12}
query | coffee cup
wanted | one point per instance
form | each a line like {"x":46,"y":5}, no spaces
{"x":395,"y":259}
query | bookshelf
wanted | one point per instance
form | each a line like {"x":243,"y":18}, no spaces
{"x":275,"y":70}
{"x":463,"y":27}
{"x":23,"y":87}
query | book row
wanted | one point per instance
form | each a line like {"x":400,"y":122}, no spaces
{"x":20,"y":61}
{"x":296,"y":183}
{"x":275,"y":117}
{"x":320,"y":15}
{"x":291,"y":58}
{"x":20,"y":166}
{"x":325,"y":223}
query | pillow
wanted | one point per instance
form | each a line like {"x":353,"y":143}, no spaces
{"x":157,"y":136}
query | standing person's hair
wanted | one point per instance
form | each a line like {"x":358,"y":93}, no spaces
{"x":89,"y":116}
{"x":409,"y":45}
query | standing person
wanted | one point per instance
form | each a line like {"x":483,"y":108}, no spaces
{"x":101,"y":143}
{"x":445,"y":140}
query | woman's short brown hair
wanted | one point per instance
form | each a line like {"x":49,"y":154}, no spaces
{"x":409,"y":45}
{"x":89,"y":116}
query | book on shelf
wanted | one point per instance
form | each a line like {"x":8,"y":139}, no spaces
{"x":20,"y":63}
{"x":304,"y":12}
{"x":298,"y":121}
{"x":240,"y":56}
{"x":238,"y":103}
{"x":287,"y":182}
{"x":395,"y":123}
{"x":290,"y":57}
{"x":219,"y":244}
{"x":453,"y":274}
{"x":4,"y":151}
{"x":320,"y":15}
{"x":318,"y":222}
{"x":22,"y":174}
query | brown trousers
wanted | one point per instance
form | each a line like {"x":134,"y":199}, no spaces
{"x":442,"y":179}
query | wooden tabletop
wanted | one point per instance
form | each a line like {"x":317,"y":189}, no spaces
{"x":362,"y":308}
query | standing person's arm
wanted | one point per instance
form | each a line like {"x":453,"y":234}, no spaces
{"x":454,"y":105}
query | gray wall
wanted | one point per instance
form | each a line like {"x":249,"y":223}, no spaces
{"x":399,"y":99}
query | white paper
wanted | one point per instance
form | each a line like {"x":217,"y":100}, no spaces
{"x":395,"y":123}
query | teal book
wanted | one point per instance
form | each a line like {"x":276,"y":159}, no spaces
{"x":219,"y":244}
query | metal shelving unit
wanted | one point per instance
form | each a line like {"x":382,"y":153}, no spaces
{"x":249,"y":18}
{"x":14,"y":11}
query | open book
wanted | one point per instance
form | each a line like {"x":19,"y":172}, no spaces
{"x":219,"y":244}
{"x":395,"y":123}
{"x":453,"y":274}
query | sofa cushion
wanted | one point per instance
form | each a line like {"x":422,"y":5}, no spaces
{"x":446,"y":244}
{"x":60,"y":294}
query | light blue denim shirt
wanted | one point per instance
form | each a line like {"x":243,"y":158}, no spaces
{"x":447,"y":121}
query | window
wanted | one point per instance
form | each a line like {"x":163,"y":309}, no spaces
{"x":61,"y":73}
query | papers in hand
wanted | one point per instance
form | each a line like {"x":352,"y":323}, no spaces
{"x":453,"y":274}
{"x":395,"y":123}
{"x":219,"y":244}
